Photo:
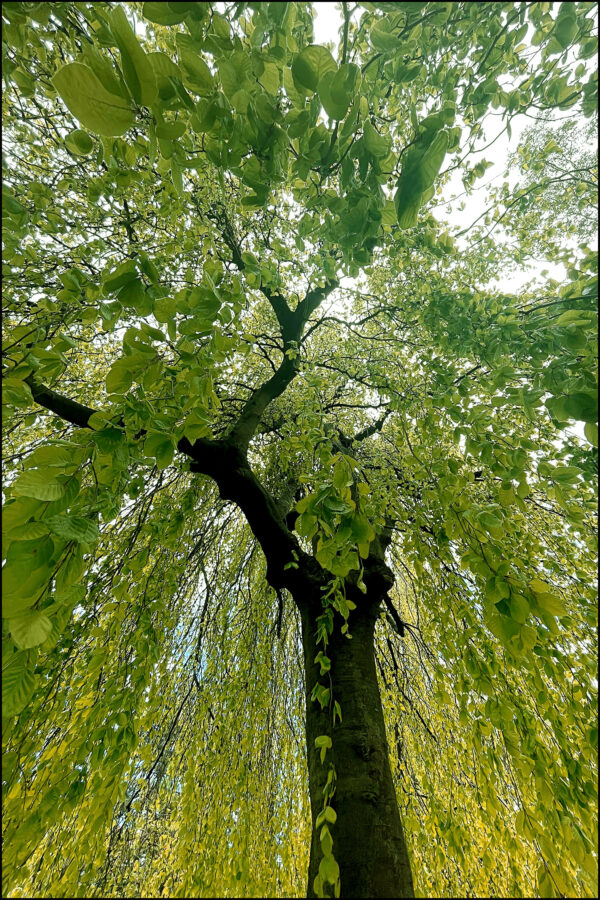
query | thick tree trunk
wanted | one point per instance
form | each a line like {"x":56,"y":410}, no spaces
{"x":368,"y":841}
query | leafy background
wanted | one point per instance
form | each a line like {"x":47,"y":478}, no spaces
{"x":154,"y":196}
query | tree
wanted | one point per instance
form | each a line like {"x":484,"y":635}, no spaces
{"x":270,"y":434}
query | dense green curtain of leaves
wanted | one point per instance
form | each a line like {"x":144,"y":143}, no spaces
{"x":254,"y":349}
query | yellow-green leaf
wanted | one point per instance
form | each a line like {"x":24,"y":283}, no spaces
{"x":98,"y":110}
{"x":79,"y":142}
{"x":30,"y":629}
{"x":137,"y":69}
{"x":39,"y":483}
{"x":311,"y":64}
{"x":196,"y":74}
{"x":18,"y":684}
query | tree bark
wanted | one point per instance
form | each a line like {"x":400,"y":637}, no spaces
{"x":368,"y":840}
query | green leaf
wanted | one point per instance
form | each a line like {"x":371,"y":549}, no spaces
{"x":591,"y":432}
{"x":306,"y":525}
{"x":137,"y":70}
{"x":311,"y":64}
{"x":270,"y":77}
{"x":565,"y":29}
{"x":550,"y":604}
{"x":75,"y":528}
{"x":335,"y":109}
{"x":503,"y":627}
{"x":363,"y":549}
{"x":377,"y":144}
{"x":171,"y":130}
{"x":382,"y":36}
{"x":196,"y":74}
{"x":303,"y":504}
{"x":18,"y":684}
{"x":330,"y":815}
{"x":164,"y":13}
{"x":98,"y":110}
{"x":108,"y":439}
{"x":120,"y":377}
{"x":519,"y":608}
{"x":16,"y":392}
{"x":362,"y":530}
{"x":28,"y":532}
{"x":496,"y":588}
{"x":21,"y":587}
{"x":160,"y":445}
{"x":164,"y":71}
{"x":50,"y":456}
{"x":528,"y":637}
{"x":335,"y":506}
{"x":133,"y":295}
{"x":566,"y":474}
{"x":122,"y":275}
{"x":164,"y":309}
{"x":30,"y":629}
{"x":407,"y":209}
{"x":326,"y":841}
{"x":574,"y":317}
{"x":489,"y":520}
{"x":556,"y":406}
{"x":35,"y":552}
{"x":329,"y":870}
{"x":582,"y":406}
{"x":104,"y":69}
{"x":79,"y":142}
{"x":204,"y":305}
{"x":71,"y":570}
{"x":39,"y":483}
{"x":323,"y":661}
{"x":433,"y":158}
{"x":233,"y":72}
{"x":148,"y":268}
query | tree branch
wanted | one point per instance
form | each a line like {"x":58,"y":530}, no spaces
{"x":69,"y":410}
{"x":241,"y":433}
{"x":365,"y":432}
{"x":345,"y":38}
{"x":287,"y":564}
{"x":276,"y":300}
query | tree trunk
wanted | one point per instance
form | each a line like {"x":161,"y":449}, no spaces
{"x":368,"y":841}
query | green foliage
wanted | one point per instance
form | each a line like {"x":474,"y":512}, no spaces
{"x":96,"y":108}
{"x":180,"y":181}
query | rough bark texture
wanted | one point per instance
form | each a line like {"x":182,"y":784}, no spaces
{"x":368,"y":841}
